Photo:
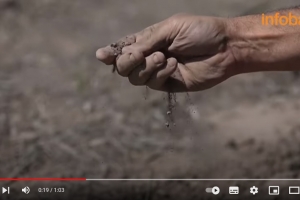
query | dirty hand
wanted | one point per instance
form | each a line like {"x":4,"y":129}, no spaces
{"x":182,"y":53}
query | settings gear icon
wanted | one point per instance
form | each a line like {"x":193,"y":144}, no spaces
{"x":253,"y":190}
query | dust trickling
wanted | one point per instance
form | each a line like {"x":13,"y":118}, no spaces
{"x":171,"y":96}
{"x":171,"y":104}
{"x":146,"y":94}
{"x":172,"y":99}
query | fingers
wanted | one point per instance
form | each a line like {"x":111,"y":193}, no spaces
{"x":142,"y":45}
{"x":146,"y":42}
{"x":109,"y":54}
{"x":141,"y":74}
{"x":128,"y":61}
{"x":159,"y":77}
{"x":106,"y":55}
{"x":153,"y":72}
{"x":134,"y":58}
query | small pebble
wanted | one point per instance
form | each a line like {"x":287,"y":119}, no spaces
{"x":169,"y":113}
{"x":167,"y":124}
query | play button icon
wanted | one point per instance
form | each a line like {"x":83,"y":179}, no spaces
{"x":4,"y":190}
{"x":215,"y":190}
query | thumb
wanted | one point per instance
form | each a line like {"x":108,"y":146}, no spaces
{"x":145,"y":42}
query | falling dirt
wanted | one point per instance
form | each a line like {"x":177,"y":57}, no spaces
{"x":172,"y":99}
{"x":171,"y":106}
{"x":45,"y":130}
{"x":146,"y":94}
{"x":171,"y":96}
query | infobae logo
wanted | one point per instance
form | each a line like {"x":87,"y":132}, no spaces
{"x":280,"y":20}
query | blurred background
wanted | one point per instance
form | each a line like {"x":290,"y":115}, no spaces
{"x":64,"y":114}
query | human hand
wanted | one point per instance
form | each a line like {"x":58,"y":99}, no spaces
{"x":182,"y":53}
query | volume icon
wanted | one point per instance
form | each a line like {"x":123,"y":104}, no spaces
{"x":26,"y":190}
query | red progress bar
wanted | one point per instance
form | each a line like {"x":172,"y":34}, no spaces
{"x":42,"y":179}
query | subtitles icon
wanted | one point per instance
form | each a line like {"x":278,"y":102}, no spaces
{"x":4,"y":190}
{"x":294,"y":190}
{"x":215,"y":190}
{"x":233,"y":190}
{"x":26,"y":190}
{"x":273,"y":190}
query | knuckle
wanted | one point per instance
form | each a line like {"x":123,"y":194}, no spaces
{"x":144,"y":34}
{"x":126,"y":49}
{"x":151,"y":29}
{"x":158,"y":58}
{"x":121,"y":69}
{"x":126,"y":63}
{"x":129,"y":39}
{"x":121,"y":72}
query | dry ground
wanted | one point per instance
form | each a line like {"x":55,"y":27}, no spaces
{"x":64,"y":114}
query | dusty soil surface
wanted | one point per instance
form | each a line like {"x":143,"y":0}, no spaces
{"x":64,"y":114}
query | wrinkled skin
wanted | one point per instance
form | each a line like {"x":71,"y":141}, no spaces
{"x":182,"y":53}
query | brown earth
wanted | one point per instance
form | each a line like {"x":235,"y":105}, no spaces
{"x":64,"y":114}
